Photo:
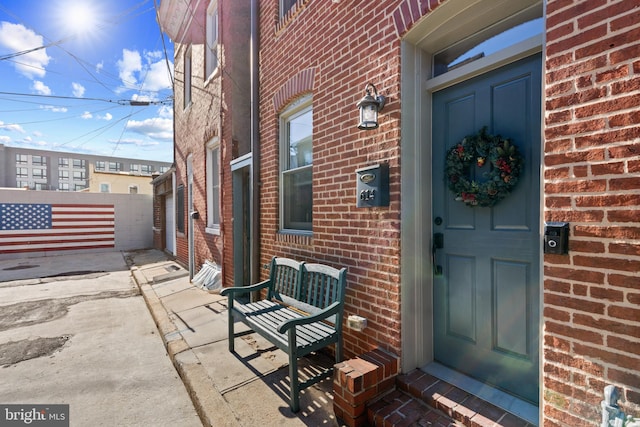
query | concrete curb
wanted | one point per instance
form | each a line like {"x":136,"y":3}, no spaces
{"x":210,"y":405}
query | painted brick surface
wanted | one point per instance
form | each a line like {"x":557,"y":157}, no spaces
{"x":219,"y":109}
{"x":591,"y":310}
{"x":590,"y":172}
{"x":330,"y":50}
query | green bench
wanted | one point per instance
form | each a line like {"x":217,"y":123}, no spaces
{"x":302,"y":313}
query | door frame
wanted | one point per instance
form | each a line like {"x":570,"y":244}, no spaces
{"x":191,"y":231}
{"x":433,"y":33}
{"x":244,"y":259}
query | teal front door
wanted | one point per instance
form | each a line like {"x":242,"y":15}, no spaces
{"x":486,"y":275}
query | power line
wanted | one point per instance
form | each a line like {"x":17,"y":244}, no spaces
{"x":118,"y":19}
{"x":134,"y":103}
{"x":164,"y":46}
{"x":24,"y":52}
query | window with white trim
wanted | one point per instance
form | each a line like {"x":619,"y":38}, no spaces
{"x":211,"y":49}
{"x":187,"y":78}
{"x":285,"y":6}
{"x":213,"y":186}
{"x":296,"y":166}
{"x":105,"y":187}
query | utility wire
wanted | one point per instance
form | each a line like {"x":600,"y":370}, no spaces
{"x":164,"y":46}
{"x":76,"y":116}
{"x":24,"y":52}
{"x":101,"y":130}
{"x":134,"y":103}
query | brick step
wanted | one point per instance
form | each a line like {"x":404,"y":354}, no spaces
{"x":421,"y":399}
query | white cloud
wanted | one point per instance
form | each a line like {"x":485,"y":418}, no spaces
{"x":99,"y":66}
{"x":165,"y":112}
{"x":86,"y":115}
{"x":135,"y":142}
{"x":54,"y":108}
{"x":151,"y":56}
{"x":41,"y":88}
{"x":11,"y":127}
{"x":148,"y":77}
{"x":106,"y":117}
{"x":141,"y":98}
{"x":157,"y":77}
{"x":78,"y":89}
{"x":130,"y":64}
{"x":4,"y":139}
{"x":157,"y":128}
{"x":18,"y":38}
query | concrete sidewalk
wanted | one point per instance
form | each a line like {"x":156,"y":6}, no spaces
{"x":246,"y":388}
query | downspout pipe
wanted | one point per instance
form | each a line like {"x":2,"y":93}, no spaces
{"x":255,"y":144}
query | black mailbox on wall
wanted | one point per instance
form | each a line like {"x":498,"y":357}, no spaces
{"x":372,"y":188}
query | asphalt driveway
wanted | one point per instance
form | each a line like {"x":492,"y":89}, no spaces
{"x":75,"y":330}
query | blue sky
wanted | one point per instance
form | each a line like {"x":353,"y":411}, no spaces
{"x":74,"y":95}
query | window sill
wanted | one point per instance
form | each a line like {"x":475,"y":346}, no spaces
{"x":295,"y":237}
{"x":291,"y":14}
{"x":214,"y":75}
{"x":215,"y":230}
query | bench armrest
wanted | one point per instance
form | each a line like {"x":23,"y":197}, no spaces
{"x":321,"y":315}
{"x":244,"y":289}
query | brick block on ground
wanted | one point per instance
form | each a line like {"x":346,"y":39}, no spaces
{"x":360,"y":381}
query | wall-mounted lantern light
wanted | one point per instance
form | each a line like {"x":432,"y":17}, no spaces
{"x":369,"y":107}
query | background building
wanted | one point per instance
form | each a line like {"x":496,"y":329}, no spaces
{"x":61,"y":171}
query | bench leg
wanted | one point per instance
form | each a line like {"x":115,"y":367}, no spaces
{"x":293,"y":372}
{"x":295,"y":386}
{"x":230,"y":327}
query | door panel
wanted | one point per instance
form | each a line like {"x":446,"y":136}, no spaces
{"x":486,"y":301}
{"x":461,"y":293}
{"x":511,"y":301}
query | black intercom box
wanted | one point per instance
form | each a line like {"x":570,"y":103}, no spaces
{"x":372,"y":188}
{"x":556,"y":238}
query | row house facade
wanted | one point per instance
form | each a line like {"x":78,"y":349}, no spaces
{"x":503,"y":256}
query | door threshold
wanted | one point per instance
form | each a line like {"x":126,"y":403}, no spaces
{"x":518,"y":407}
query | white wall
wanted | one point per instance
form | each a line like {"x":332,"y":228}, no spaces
{"x":133,"y":216}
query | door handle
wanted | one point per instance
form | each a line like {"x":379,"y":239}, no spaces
{"x":438,"y":243}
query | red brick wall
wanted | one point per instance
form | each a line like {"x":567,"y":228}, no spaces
{"x":212,"y":115}
{"x":194,"y":127}
{"x":342,"y":47}
{"x":592,"y":179}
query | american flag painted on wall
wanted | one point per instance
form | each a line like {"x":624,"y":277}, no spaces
{"x":32,"y":227}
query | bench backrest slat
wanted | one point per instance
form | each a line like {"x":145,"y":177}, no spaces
{"x":315,"y":286}
{"x":324,"y":284}
{"x":285,"y":278}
